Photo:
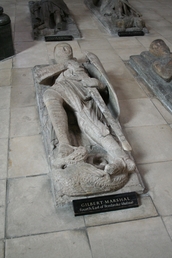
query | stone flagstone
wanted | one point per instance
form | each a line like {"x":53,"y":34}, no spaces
{"x":2,"y":208}
{"x":27,"y":157}
{"x":67,"y":244}
{"x":158,"y":178}
{"x":24,"y":121}
{"x":4,"y":123}
{"x":3,"y":158}
{"x":150,"y":143}
{"x":143,"y":238}
{"x":1,"y":249}
{"x":31,"y":210}
{"x":146,"y":209}
{"x":168,"y":223}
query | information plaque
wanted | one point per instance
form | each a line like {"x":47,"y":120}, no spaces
{"x":58,"y":38}
{"x":105,"y":203}
{"x":130,"y":33}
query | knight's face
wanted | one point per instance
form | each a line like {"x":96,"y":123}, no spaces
{"x":63,"y":52}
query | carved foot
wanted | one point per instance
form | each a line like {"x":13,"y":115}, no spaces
{"x":69,"y":155}
{"x":64,"y":150}
{"x":130,"y":164}
{"x":120,"y":165}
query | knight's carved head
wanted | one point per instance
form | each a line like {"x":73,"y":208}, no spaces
{"x":63,"y":52}
{"x":159,"y":48}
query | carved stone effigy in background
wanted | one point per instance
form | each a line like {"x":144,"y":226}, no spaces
{"x":86,"y":149}
{"x":117,"y":15}
{"x":52,"y":18}
{"x":155,"y":68}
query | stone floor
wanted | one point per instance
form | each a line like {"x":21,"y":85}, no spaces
{"x":30,"y":226}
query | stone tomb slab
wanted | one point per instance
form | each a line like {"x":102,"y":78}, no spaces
{"x":118,"y":20}
{"x":162,"y":89}
{"x":134,"y":183}
{"x":69,"y":30}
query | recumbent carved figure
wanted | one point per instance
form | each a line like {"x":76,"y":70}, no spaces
{"x":49,"y":14}
{"x":74,"y":87}
{"x":118,"y":15}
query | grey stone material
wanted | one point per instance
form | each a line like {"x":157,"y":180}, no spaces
{"x":27,"y":157}
{"x":117,"y":16}
{"x":2,"y":209}
{"x":131,"y":239}
{"x":2,"y":249}
{"x":31,"y":209}
{"x":86,"y":149}
{"x":3,"y":158}
{"x":4,"y":118}
{"x":22,"y":97}
{"x":2,"y":223}
{"x":159,"y":190}
{"x":168,"y":223}
{"x":145,"y":210}
{"x":24,"y":121}
{"x":30,"y":224}
{"x":21,"y":76}
{"x":52,"y":18}
{"x":141,"y":111}
{"x":155,"y":138}
{"x":61,"y":244}
{"x":155,"y":68}
{"x":5,"y":97}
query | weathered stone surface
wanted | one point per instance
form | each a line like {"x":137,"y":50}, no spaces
{"x":4,"y":125}
{"x":5,"y":97}
{"x":117,"y":16}
{"x":5,"y":75}
{"x":84,"y":156}
{"x":52,"y":17}
{"x":159,"y":48}
{"x":168,"y":223}
{"x":65,"y":244}
{"x":2,"y":249}
{"x":31,"y":209}
{"x":155,"y":139}
{"x":24,"y":121}
{"x":27,"y":157}
{"x":144,"y":238}
{"x":2,"y":209}
{"x":159,"y":189}
{"x":146,"y":209}
{"x":141,"y":111}
{"x":155,"y":68}
{"x":3,"y":158}
{"x":164,"y":68}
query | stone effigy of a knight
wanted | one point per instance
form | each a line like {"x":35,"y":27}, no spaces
{"x":102,"y":163}
{"x":117,"y":15}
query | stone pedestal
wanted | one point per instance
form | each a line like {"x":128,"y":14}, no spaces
{"x":144,"y":65}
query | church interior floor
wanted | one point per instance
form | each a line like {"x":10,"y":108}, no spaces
{"x":30,"y":225}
